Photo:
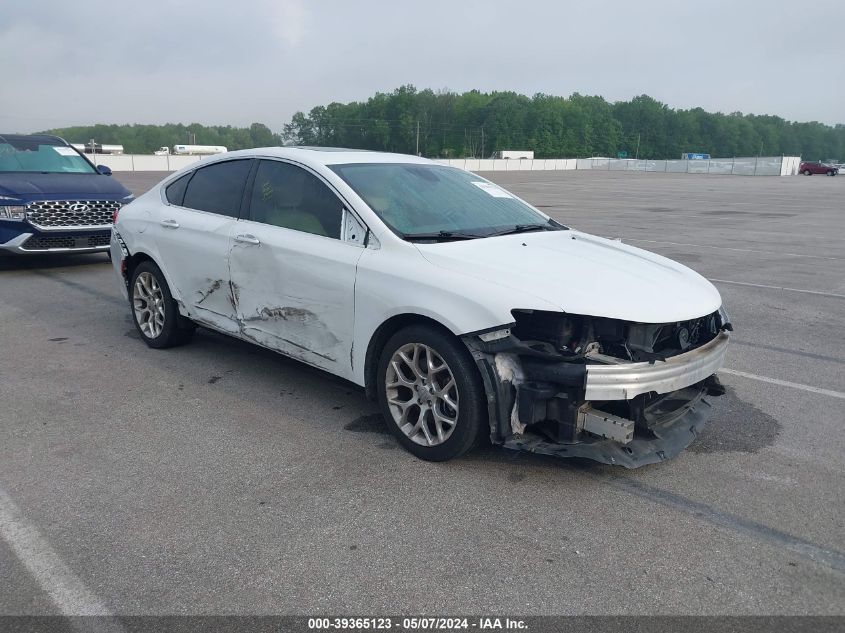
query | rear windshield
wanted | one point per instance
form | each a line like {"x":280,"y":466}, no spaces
{"x":39,"y":155}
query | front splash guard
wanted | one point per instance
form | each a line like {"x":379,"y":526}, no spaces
{"x":668,"y":441}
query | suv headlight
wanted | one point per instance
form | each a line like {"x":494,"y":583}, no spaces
{"x":12,"y":213}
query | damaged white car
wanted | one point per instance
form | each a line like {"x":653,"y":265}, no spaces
{"x":462,"y":309}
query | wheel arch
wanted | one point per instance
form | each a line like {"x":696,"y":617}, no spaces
{"x":380,"y":337}
{"x":132,"y":263}
{"x":137,"y":258}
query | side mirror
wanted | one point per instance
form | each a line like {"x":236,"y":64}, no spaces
{"x":103,"y":169}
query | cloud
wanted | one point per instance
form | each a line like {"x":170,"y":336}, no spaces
{"x":217,"y":61}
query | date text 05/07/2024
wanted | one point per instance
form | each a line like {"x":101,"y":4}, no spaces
{"x":415,"y":623}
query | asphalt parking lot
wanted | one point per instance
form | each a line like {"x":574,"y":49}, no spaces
{"x":218,"y":478}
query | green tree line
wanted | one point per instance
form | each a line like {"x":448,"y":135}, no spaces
{"x":449,"y":124}
{"x":478,"y":124}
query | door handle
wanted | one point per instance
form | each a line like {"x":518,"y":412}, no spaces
{"x":247,"y":239}
{"x":170,"y":224}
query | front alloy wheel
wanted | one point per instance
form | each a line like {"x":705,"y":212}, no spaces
{"x":430,"y":392}
{"x":422,"y":394}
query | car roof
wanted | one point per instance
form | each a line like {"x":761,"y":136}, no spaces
{"x":330,"y":155}
{"x":47,"y":139}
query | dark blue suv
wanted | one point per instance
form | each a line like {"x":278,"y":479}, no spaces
{"x":52,"y":199}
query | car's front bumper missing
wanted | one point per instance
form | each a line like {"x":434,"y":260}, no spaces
{"x":608,"y":410}
{"x":666,"y":440}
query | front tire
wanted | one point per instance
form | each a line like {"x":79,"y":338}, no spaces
{"x":430,"y":393}
{"x":154,"y":311}
{"x":807,"y":172}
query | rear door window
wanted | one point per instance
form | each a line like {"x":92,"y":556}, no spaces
{"x":218,"y":188}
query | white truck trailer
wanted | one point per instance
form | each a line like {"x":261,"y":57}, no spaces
{"x":515,"y":154}
{"x":98,"y":148}
{"x":191,"y":150}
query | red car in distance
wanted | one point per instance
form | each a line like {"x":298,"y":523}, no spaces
{"x":808,"y":169}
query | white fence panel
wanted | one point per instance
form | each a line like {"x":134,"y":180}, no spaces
{"x":742,"y":166}
{"x":768,"y":166}
{"x":789,"y":165}
{"x":115,"y":162}
{"x":721,"y":166}
{"x":151,"y":163}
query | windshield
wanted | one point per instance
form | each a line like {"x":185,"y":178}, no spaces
{"x":27,"y":155}
{"x":430,"y":200}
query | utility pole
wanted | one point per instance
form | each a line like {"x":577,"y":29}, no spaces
{"x":482,"y":141}
{"x":637,"y":157}
{"x":418,"y":137}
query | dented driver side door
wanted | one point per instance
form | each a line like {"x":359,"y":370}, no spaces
{"x":292,"y":274}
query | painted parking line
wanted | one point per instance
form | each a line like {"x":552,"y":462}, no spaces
{"x":802,"y":290}
{"x":740,"y":250}
{"x":67,"y":592}
{"x":784,"y":383}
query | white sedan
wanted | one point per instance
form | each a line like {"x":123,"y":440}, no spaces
{"x":463,"y":310}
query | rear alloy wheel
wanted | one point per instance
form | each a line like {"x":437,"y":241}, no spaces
{"x":430,"y":393}
{"x":154,"y":311}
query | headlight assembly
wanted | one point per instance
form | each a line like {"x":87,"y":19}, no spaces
{"x":12,"y":213}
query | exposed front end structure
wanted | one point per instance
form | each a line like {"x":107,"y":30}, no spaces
{"x":613,"y":391}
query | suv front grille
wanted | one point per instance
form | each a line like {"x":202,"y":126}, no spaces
{"x":71,"y":213}
{"x":47,"y":242}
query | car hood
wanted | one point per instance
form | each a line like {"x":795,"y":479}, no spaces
{"x":29,"y":186}
{"x":582,"y":274}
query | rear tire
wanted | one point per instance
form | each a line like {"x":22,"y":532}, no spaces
{"x":154,"y":312}
{"x":430,"y":393}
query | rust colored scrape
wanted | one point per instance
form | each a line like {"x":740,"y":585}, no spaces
{"x":215,"y":285}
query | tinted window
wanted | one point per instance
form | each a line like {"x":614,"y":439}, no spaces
{"x":288,"y":196}
{"x":218,"y":188}
{"x":175,"y":191}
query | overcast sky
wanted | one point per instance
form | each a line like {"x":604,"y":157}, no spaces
{"x":238,"y":61}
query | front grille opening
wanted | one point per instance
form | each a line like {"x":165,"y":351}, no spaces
{"x":47,"y":242}
{"x":71,"y":213}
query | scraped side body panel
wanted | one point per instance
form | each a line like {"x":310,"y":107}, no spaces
{"x":295,"y":292}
